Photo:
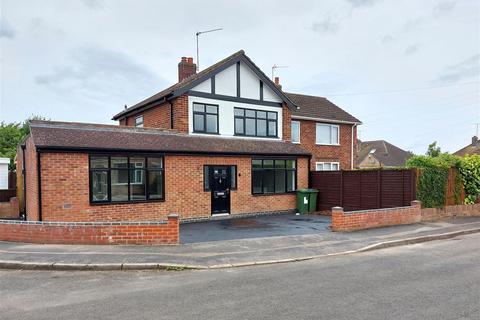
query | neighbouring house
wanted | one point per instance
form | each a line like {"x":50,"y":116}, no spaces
{"x":473,"y":148}
{"x":380,"y":154}
{"x":226,"y":140}
{"x":4,"y":162}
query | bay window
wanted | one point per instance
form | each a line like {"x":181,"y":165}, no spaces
{"x":126,"y":178}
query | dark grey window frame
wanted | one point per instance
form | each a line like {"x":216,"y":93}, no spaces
{"x":108,"y":170}
{"x":204,"y":114}
{"x":244,"y":117}
{"x":274,"y":169}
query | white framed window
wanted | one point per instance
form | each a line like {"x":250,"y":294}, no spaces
{"x":295,"y":131}
{"x":139,"y":121}
{"x":327,"y":134}
{"x":327,"y":166}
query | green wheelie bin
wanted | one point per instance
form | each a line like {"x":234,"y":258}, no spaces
{"x":307,"y":200}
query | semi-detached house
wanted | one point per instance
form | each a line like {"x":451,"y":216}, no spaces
{"x":226,"y":140}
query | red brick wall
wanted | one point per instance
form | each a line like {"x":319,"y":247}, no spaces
{"x":31,"y":180}
{"x":320,"y":153}
{"x":287,"y":123}
{"x":91,"y":233}
{"x":10,"y":209}
{"x":434,"y":214}
{"x":366,"y":219}
{"x":159,"y":116}
{"x":65,"y":190}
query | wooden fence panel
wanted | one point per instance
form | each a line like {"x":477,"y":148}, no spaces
{"x":364,"y":189}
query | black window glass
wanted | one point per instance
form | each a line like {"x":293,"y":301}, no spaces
{"x":121,"y":178}
{"x":155,"y":163}
{"x":119,"y":185}
{"x":99,"y":186}
{"x":268,"y":181}
{"x":257,"y":181}
{"x":261,"y":127}
{"x":256,"y":123}
{"x":199,"y":122}
{"x":205,"y":118}
{"x":249,"y":127}
{"x":198,"y":107}
{"x":239,"y":126}
{"x":272,"y":128}
{"x":212,"y":123}
{"x":279,"y":181}
{"x":273,"y":176}
{"x":155,"y":185}
{"x":98,"y":162}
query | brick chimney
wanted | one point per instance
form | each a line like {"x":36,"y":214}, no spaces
{"x":277,"y":83}
{"x":186,"y":68}
{"x":475,"y":141}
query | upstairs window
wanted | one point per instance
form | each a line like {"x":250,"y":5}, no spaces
{"x":296,"y":131}
{"x":327,"y":134}
{"x":327,"y":166}
{"x":255,"y":123}
{"x":205,"y":118}
{"x":139,"y":121}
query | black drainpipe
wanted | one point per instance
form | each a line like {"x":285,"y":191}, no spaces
{"x":171,"y":114}
{"x":39,"y":175}
{"x":24,"y":174}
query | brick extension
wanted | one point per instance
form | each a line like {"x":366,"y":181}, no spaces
{"x":366,"y":219}
{"x":65,"y":190}
{"x":140,"y":233}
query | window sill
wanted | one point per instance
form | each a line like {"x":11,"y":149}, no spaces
{"x":124,"y":202}
{"x":327,"y":145}
{"x":296,"y":142}
{"x":273,"y":194}
{"x":202,"y":132}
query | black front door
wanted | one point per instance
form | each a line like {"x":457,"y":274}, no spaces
{"x":220,"y":187}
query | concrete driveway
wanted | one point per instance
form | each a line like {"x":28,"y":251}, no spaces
{"x":255,"y":227}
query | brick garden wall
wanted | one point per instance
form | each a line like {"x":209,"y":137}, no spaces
{"x":433,"y":214}
{"x":366,"y":219}
{"x":146,"y":233}
{"x":65,"y":190}
{"x":320,"y":153}
{"x":10,"y":209}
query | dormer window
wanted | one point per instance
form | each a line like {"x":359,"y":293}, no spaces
{"x":139,"y":122}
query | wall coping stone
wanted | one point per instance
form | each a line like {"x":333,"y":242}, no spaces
{"x":79,"y":224}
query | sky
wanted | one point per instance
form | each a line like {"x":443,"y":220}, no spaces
{"x":409,"y":70}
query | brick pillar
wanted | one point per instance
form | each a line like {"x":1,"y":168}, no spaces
{"x":338,"y":219}
{"x":173,"y":228}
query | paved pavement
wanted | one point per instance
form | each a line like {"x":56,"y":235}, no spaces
{"x":436,"y":280}
{"x":217,"y":254}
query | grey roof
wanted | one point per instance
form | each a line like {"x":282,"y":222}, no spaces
{"x":183,"y":86}
{"x":386,"y":153}
{"x":319,"y":107}
{"x":86,"y":136}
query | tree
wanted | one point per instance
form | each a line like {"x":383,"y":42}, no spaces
{"x":433,"y":150}
{"x":11,"y":134}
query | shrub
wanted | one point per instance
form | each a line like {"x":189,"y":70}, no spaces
{"x":470,"y":170}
